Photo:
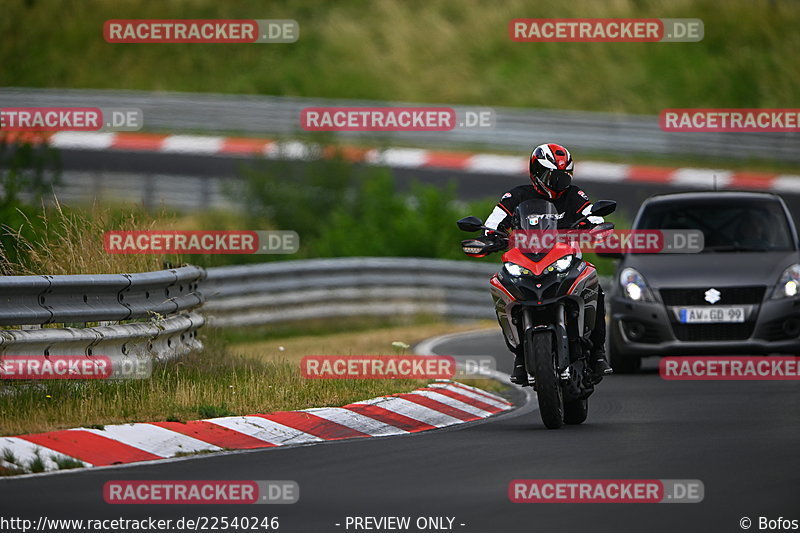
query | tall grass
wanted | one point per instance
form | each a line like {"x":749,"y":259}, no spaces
{"x":62,"y":240}
{"x":421,"y":50}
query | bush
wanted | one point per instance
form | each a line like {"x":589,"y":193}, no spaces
{"x":342,"y":209}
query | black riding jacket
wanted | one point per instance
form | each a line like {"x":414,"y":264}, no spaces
{"x":571,"y":205}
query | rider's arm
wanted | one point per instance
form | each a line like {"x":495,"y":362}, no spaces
{"x":585,"y":207}
{"x":498,"y":219}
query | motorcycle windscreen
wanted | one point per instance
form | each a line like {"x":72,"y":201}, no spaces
{"x":536,"y":214}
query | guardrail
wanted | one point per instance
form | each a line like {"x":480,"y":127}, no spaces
{"x":27,"y":300}
{"x":244,"y":295}
{"x":515,"y":129}
{"x":160,"y":338}
{"x":165,"y":298}
{"x":268,"y":293}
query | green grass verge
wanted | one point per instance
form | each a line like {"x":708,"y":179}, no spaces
{"x":215,"y":382}
{"x":421,"y":51}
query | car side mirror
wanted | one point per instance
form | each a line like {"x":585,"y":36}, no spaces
{"x":470,"y":224}
{"x":602,"y":208}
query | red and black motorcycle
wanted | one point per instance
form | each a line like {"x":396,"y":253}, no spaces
{"x":546,"y":304}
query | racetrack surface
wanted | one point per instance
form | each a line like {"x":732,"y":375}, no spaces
{"x":739,"y":438}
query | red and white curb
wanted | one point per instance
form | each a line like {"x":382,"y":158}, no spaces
{"x":440,"y":404}
{"x":419,"y":158}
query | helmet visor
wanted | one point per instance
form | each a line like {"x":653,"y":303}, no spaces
{"x":556,"y":180}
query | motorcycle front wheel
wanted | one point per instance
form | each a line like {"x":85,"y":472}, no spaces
{"x":576,"y":411}
{"x":540,"y":357}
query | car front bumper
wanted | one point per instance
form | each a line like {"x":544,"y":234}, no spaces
{"x":643,"y":329}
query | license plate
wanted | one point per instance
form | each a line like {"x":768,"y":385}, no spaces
{"x":710,"y":315}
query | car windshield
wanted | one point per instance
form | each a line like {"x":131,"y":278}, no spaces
{"x":727,"y":226}
{"x":536,"y":214}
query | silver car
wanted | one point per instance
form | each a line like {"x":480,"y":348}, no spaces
{"x":740,"y":295}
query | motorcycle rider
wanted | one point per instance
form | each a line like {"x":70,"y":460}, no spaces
{"x":550,"y":171}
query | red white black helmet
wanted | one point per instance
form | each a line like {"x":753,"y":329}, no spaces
{"x":551,"y":169}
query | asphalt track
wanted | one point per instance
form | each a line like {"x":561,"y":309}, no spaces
{"x":739,"y":438}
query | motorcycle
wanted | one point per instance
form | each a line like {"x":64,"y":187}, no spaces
{"x":546,"y":304}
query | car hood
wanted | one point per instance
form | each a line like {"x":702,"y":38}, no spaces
{"x":706,"y":269}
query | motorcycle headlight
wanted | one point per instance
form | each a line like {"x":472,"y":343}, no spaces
{"x":634,"y":287}
{"x":563,"y":264}
{"x":516,"y":270}
{"x":789,"y":283}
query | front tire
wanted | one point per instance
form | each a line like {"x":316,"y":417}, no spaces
{"x":576,"y":411}
{"x":540,"y":357}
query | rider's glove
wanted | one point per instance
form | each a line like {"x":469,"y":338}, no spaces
{"x":601,"y":231}
{"x":482,"y":246}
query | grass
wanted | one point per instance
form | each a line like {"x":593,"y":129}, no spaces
{"x":58,"y":239}
{"x":371,"y":342}
{"x":213,"y":411}
{"x":68,"y":240}
{"x":36,"y":464}
{"x":67,"y":463}
{"x":220,"y":381}
{"x":379,"y":341}
{"x":421,"y":51}
{"x":313,"y":328}
{"x":15,"y":467}
{"x":9,"y":457}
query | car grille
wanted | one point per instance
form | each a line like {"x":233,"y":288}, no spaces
{"x":728,"y":295}
{"x":712,"y":332}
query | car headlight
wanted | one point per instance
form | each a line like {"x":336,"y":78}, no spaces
{"x":634,"y":287}
{"x":563,"y":264}
{"x":788,"y":283}
{"x":516,"y":270}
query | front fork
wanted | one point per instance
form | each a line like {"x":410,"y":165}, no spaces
{"x":561,"y":339}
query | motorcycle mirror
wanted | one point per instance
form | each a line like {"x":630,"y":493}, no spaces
{"x":470,"y":224}
{"x":602,"y":208}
